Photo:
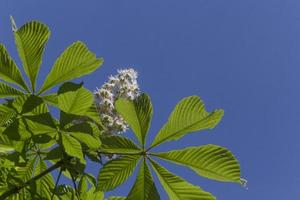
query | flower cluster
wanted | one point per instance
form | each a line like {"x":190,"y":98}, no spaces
{"x":122,"y":85}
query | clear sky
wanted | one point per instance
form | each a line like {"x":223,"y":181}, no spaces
{"x":242,"y":56}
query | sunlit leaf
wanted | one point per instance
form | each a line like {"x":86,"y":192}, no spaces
{"x":144,"y":187}
{"x":72,"y":147}
{"x":9,"y":71}
{"x":30,"y":41}
{"x":119,"y":144}
{"x":8,"y":91}
{"x":74,"y":99}
{"x":74,"y":62}
{"x":178,"y":188}
{"x":87,"y":139}
{"x":138,"y":114}
{"x":188,"y":116}
{"x":116,"y":171}
{"x":210,"y":161}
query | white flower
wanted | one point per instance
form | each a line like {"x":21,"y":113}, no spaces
{"x":122,"y":85}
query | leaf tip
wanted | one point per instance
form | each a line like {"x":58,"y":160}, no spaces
{"x":13,"y":24}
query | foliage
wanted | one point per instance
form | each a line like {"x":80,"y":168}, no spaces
{"x":33,"y":143}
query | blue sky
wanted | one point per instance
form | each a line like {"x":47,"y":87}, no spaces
{"x":242,"y":56}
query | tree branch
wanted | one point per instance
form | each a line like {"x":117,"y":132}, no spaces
{"x":27,"y":183}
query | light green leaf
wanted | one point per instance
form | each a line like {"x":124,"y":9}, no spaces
{"x":74,"y":62}
{"x":144,"y":187}
{"x":116,"y":171}
{"x":90,"y":141}
{"x":137,"y":114}
{"x":74,"y":99}
{"x":30,"y":40}
{"x":8,"y":91}
{"x":9,"y":71}
{"x":178,"y":188}
{"x":51,"y":99}
{"x":92,"y":194}
{"x":210,"y":161}
{"x":93,"y":114}
{"x":6,"y":145}
{"x":72,"y":147}
{"x":188,"y":116}
{"x":116,"y":198}
{"x":119,"y":144}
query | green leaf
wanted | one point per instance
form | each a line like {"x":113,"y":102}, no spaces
{"x":17,"y":131}
{"x":116,"y":198}
{"x":43,"y":187}
{"x":83,"y":127}
{"x":119,"y":144}
{"x":74,"y":62}
{"x":116,"y":171}
{"x":93,"y":114}
{"x":144,"y":187}
{"x":6,"y":114}
{"x":30,"y":40}
{"x":74,"y":99}
{"x":92,"y":194}
{"x":72,"y":147}
{"x":178,"y":188}
{"x":51,"y":99}
{"x":188,"y":116}
{"x":210,"y":161}
{"x":90,"y":141}
{"x":8,"y":91}
{"x":9,"y":71}
{"x":5,"y":144}
{"x":137,"y":114}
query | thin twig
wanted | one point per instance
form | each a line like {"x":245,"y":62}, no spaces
{"x":74,"y":185}
{"x":57,"y":181}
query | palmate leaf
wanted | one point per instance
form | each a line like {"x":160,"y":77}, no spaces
{"x":30,"y":40}
{"x":138,"y":114}
{"x":116,"y":171}
{"x":74,"y":99}
{"x":9,"y":71}
{"x":189,"y":115}
{"x":72,"y":146}
{"x":119,"y":144}
{"x":143,"y":187}
{"x":177,"y":188}
{"x":210,"y":161}
{"x":74,"y":62}
{"x":8,"y":91}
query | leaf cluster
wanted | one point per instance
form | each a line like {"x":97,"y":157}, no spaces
{"x":33,"y":143}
